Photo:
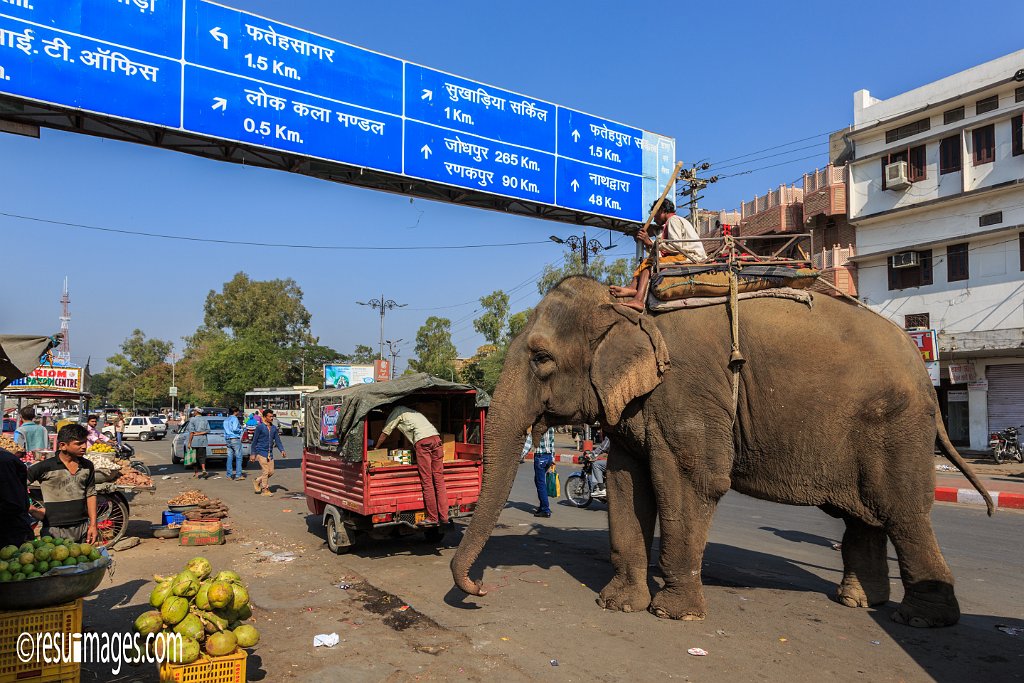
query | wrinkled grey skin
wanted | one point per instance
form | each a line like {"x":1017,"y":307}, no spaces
{"x":835,"y":410}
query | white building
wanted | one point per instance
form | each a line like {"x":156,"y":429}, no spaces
{"x":936,"y":192}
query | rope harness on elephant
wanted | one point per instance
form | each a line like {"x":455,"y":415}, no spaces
{"x":736,"y":359}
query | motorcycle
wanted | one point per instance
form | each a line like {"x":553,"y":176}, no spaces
{"x":1006,"y":444}
{"x":579,"y":487}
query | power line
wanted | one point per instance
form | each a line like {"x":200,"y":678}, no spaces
{"x":771,"y":156}
{"x":783,"y":163}
{"x":234,"y":243}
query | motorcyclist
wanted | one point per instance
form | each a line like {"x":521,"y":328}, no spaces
{"x":598,"y":470}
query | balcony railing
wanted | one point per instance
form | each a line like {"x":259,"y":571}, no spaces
{"x":833,"y":257}
{"x":822,"y":178}
{"x":783,"y":196}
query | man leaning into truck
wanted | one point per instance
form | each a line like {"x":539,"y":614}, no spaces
{"x":429,"y":459}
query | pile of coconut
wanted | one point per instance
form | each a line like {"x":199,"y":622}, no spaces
{"x":206,"y":610}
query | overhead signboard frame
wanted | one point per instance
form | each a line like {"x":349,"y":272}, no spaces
{"x":202,"y":78}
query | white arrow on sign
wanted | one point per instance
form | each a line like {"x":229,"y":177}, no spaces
{"x":575,"y":136}
{"x":575,"y":185}
{"x":220,"y":103}
{"x":426,"y":151}
{"x":427,"y":95}
{"x":219,"y":35}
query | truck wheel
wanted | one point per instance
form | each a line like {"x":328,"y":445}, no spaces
{"x":335,"y":541}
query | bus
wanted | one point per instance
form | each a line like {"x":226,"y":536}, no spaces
{"x":288,"y":403}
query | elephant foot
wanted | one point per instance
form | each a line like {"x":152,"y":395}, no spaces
{"x":622,"y":596}
{"x":853,"y":594}
{"x":679,"y":603}
{"x":928,"y":604}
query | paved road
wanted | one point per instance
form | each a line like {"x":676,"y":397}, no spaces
{"x":769,"y":570}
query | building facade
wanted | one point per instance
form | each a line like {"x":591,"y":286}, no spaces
{"x":936,"y":193}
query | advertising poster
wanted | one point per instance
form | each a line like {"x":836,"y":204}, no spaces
{"x":329,"y":424}
{"x":50,"y":378}
{"x":341,"y":376}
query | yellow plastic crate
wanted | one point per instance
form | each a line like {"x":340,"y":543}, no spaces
{"x":227,"y":669}
{"x":61,"y":619}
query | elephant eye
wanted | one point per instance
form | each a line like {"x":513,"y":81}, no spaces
{"x":540,"y":357}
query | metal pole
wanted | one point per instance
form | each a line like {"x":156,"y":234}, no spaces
{"x":173,"y":398}
{"x":586,"y":258}
{"x":380,"y":351}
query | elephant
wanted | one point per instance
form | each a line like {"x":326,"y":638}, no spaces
{"x":834,"y":409}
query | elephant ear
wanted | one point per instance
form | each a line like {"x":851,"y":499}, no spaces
{"x":629,"y":358}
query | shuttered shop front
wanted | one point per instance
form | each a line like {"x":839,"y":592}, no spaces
{"x":1005,"y":396}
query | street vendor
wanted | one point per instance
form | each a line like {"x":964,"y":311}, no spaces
{"x":94,"y":435}
{"x":429,"y":459}
{"x":68,"y":483}
{"x":673,"y":228}
{"x":14,"y":503}
{"x":31,"y":436}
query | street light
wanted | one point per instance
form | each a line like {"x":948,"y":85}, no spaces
{"x":383,"y":305}
{"x":584,"y":246}
{"x":393,"y":352}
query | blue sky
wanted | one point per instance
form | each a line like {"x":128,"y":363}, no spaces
{"x":724,"y":79}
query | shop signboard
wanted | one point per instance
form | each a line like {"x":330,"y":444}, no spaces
{"x":338,"y":376}
{"x":926,"y":344}
{"x":382,"y":370}
{"x":53,"y":378}
{"x":961,"y":373}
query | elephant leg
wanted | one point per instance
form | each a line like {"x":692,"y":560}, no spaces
{"x":631,"y":517}
{"x":928,"y":598}
{"x":685,"y":516}
{"x":865,"y":566}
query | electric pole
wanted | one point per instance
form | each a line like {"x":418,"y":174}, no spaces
{"x":694,"y":185}
{"x":393,"y":352}
{"x":383,"y":305}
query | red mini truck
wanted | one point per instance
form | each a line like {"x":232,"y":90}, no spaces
{"x":361,"y":492}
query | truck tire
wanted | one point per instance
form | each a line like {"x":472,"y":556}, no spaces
{"x":338,"y":539}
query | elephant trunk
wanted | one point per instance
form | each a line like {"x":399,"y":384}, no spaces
{"x":507,"y":421}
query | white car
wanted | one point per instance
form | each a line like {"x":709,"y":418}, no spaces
{"x":141,"y":428}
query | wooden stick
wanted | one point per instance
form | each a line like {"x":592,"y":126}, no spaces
{"x":657,"y":205}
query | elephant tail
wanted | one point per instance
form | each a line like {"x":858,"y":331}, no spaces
{"x":949,"y":450}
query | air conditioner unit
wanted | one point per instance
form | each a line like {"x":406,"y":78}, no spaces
{"x":896,"y":177}
{"x":906,"y":259}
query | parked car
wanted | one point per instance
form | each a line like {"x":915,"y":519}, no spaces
{"x":141,"y":428}
{"x":216,"y":444}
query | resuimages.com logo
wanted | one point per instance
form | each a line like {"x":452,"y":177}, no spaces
{"x":115,"y":649}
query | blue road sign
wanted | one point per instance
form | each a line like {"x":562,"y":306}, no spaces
{"x":201,"y":67}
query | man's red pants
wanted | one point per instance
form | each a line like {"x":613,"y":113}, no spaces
{"x":430,"y":461}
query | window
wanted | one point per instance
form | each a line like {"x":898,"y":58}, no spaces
{"x":949,"y":155}
{"x":137,"y":421}
{"x":1018,"y":94}
{"x":917,"y":165}
{"x":994,"y":218}
{"x":916,"y":320}
{"x":984,"y":143}
{"x":912,"y":276}
{"x":953,"y":115}
{"x":908,"y":130}
{"x":986,"y":105}
{"x":956,"y":262}
{"x":1017,"y":134}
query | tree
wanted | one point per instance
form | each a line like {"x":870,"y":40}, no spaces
{"x":272,"y":309}
{"x":484,"y":369}
{"x":435,"y":353}
{"x":618,"y":272}
{"x":362,"y":355}
{"x":232,"y":366}
{"x":307,"y":363}
{"x":517,"y":322}
{"x":491,"y":324}
{"x":139,"y":354}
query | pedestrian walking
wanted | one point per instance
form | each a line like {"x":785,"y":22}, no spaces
{"x":543,"y":460}
{"x":197,"y":429}
{"x":263,"y":442}
{"x":233,"y":436}
{"x":119,"y":429}
{"x":429,"y":459}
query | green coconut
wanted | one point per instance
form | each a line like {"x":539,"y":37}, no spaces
{"x":229,"y":576}
{"x":240,"y":596}
{"x":202,"y":601}
{"x":186,"y":654}
{"x":192,"y":627}
{"x":245,"y":612}
{"x":220,"y":594}
{"x":220,"y":644}
{"x":186,"y":588}
{"x":200,"y":566}
{"x":160,"y":593}
{"x":174,"y":610}
{"x":149,"y":622}
{"x":213,"y":622}
{"x":246,"y":635}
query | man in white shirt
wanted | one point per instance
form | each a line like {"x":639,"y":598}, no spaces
{"x":671,"y":250}
{"x":429,"y":459}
